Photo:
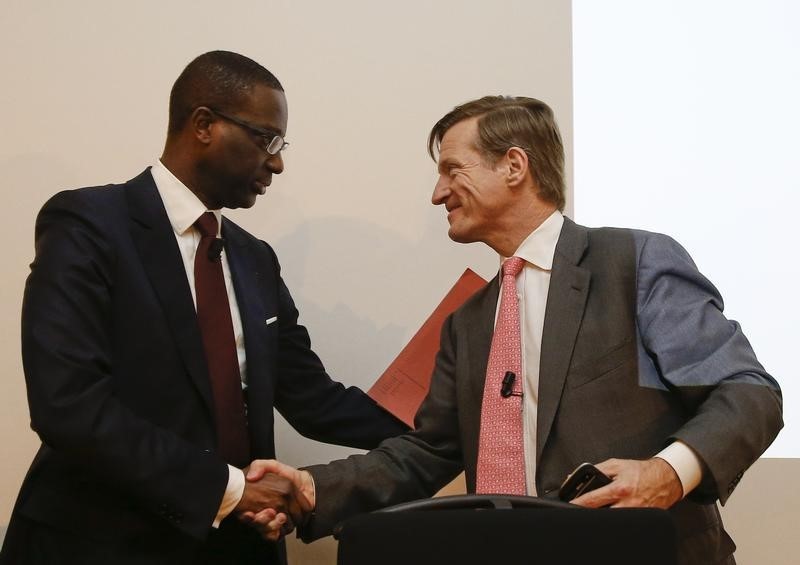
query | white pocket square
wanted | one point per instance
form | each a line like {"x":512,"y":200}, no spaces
{"x":271,"y":320}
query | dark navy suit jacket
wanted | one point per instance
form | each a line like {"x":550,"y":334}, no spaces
{"x":119,"y":390}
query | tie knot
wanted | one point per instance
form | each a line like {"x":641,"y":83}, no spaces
{"x":207,"y":224}
{"x":512,"y":266}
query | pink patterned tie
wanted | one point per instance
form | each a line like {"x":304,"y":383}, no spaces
{"x":501,"y":460}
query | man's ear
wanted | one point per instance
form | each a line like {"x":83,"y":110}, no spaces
{"x":200,"y":122}
{"x":517,"y":161}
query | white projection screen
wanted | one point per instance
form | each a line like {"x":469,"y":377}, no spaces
{"x":686,"y":121}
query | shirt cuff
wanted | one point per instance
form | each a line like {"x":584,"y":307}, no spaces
{"x":313,"y":491}
{"x":313,"y":487}
{"x":233,"y":494}
{"x":686,"y":464}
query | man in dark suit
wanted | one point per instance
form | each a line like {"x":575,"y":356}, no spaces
{"x":625,"y":356}
{"x":155,"y":351}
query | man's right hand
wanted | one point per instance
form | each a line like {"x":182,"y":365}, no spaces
{"x":271,"y":503}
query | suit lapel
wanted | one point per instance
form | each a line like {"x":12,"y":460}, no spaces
{"x":249,"y":288}
{"x":155,"y":242}
{"x":566,"y":301}
{"x":481,"y":326}
{"x":251,"y":279}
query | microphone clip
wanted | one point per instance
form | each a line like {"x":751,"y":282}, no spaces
{"x":215,"y":249}
{"x":507,"y":387}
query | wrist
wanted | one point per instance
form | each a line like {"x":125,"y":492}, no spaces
{"x":671,"y":486}
{"x":307,"y":487}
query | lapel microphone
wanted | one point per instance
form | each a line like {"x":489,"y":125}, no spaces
{"x":215,"y":249}
{"x":507,"y":388}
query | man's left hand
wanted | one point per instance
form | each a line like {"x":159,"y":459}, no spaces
{"x":635,"y":484}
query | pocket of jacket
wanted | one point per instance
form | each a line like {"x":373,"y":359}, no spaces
{"x":587,"y":371}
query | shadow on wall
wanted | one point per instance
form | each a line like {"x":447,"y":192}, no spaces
{"x":363,"y":290}
{"x":27,"y":182}
{"x":22,"y":206}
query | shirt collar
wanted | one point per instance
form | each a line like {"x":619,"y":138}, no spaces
{"x":540,"y":246}
{"x":182,"y":205}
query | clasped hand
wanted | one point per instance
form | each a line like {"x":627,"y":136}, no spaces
{"x":276,"y":498}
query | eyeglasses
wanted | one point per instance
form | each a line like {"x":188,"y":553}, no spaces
{"x":272,"y":143}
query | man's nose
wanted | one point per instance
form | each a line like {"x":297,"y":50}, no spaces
{"x":441,"y":191}
{"x":275,"y":163}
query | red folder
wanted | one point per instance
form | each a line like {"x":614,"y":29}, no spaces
{"x":404,"y":384}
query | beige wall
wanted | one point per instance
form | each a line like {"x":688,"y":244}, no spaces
{"x":84,"y":101}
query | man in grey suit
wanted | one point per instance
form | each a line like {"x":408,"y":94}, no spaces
{"x":627,"y":358}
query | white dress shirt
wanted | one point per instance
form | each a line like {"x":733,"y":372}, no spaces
{"x":183,"y":209}
{"x":533,"y":283}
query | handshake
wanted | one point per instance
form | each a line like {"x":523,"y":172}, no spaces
{"x":276,"y":498}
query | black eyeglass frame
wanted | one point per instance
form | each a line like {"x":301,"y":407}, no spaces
{"x":273,"y":143}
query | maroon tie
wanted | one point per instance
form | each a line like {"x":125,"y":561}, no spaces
{"x":216,"y":328}
{"x":501,"y":458}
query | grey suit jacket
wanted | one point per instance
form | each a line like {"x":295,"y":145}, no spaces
{"x":635,"y":354}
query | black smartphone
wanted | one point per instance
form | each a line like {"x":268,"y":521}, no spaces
{"x":584,"y":478}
